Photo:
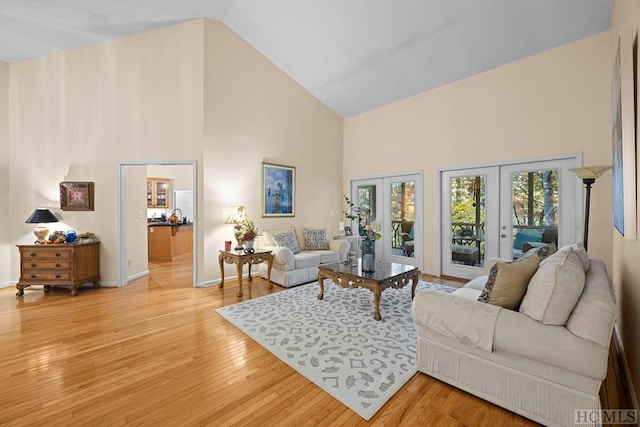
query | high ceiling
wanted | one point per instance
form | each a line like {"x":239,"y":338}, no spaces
{"x":353,"y":55}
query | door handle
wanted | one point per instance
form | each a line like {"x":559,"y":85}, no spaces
{"x":504,"y":236}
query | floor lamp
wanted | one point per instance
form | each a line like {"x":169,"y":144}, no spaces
{"x":588,"y":175}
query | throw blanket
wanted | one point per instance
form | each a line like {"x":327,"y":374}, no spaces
{"x":456,"y":317}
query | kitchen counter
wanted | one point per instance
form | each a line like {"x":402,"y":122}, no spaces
{"x":165,"y":240}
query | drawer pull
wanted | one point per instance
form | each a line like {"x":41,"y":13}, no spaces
{"x":58,"y":254}
{"x":34,"y":254}
{"x":34,"y":276}
{"x":58,"y":276}
{"x":58,"y":265}
{"x":34,"y":265}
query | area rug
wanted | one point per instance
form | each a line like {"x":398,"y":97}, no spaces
{"x":335,"y":342}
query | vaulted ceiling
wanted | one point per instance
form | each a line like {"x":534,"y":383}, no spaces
{"x":353,"y":55}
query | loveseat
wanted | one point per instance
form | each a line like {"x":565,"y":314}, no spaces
{"x":297,"y":253}
{"x":545,"y":357}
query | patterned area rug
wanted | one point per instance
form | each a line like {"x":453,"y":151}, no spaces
{"x":335,"y":342}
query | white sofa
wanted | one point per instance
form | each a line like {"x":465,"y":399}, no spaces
{"x":291,"y":269}
{"x":541,"y":370}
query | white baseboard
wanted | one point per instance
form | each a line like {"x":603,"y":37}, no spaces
{"x":138,"y":275}
{"x":625,"y":366}
{"x":7,"y":284}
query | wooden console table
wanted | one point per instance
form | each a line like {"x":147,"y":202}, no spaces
{"x":61,"y":265}
{"x":239,"y":258}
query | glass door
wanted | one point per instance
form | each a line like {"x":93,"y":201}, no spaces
{"x":470,"y":218}
{"x":504,"y":211}
{"x":396,"y":204}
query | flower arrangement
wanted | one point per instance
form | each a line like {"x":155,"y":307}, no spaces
{"x":371,"y":228}
{"x":250,"y":231}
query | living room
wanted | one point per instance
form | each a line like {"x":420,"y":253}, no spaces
{"x":197,"y":91}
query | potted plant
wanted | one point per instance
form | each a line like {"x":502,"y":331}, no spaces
{"x":249,"y":234}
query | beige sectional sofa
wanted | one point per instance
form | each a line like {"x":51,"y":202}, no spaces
{"x":545,"y":359}
{"x":297,"y":253}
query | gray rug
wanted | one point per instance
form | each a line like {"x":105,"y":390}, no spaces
{"x":335,"y":342}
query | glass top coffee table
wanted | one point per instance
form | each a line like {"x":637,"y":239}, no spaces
{"x":387,"y":275}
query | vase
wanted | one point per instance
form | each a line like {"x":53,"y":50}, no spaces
{"x":368,"y":256}
{"x":248,"y":245}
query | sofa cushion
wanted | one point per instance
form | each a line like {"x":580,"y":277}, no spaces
{"x":579,"y":250}
{"x":306,"y":259}
{"x":508,"y":282}
{"x":328,"y":256}
{"x":315,"y":238}
{"x":286,"y":238}
{"x":555,"y":289}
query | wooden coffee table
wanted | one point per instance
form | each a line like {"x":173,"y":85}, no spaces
{"x":387,"y":275}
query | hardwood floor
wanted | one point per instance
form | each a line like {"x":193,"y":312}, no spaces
{"x":156,"y":353}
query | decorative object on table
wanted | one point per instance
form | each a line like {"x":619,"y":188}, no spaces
{"x":76,"y":196}
{"x":237,"y":217}
{"x":588,"y":175}
{"x":71,"y":236}
{"x":250,"y":231}
{"x":371,"y":232}
{"x":227,"y":245}
{"x":347,"y":231}
{"x":278,"y":190}
{"x":343,"y":328}
{"x":173,"y":218}
{"x":624,"y":136}
{"x":41,"y":216}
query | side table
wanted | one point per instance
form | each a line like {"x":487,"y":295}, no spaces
{"x":239,"y":258}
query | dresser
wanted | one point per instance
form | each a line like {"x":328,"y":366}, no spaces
{"x":63,"y":265}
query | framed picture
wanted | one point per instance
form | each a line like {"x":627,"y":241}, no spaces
{"x":76,"y":196}
{"x":347,"y":231}
{"x":624,"y":136}
{"x":278,"y":190}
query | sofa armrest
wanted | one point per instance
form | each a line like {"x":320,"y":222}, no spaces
{"x":467,"y":321}
{"x":342,"y":247}
{"x":282,"y":256}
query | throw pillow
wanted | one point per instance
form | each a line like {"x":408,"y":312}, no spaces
{"x":286,"y":238}
{"x":555,"y":289}
{"x":315,"y":239}
{"x":507,"y":283}
{"x":543,"y":251}
{"x":580,"y":251}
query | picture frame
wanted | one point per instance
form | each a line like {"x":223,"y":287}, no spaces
{"x":278,"y":190}
{"x":347,"y":231}
{"x":76,"y":196}
{"x":624,"y":135}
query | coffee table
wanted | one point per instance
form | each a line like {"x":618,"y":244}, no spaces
{"x":387,"y":275}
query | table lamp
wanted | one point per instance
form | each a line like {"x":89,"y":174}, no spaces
{"x":41,"y":216}
{"x":588,"y":174}
{"x":237,"y":217}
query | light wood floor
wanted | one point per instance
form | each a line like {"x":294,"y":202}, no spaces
{"x":156,"y":353}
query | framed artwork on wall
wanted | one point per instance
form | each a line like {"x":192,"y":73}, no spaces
{"x":278,"y":190}
{"x":624,"y":136}
{"x":76,"y":196}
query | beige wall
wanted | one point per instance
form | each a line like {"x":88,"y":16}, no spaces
{"x":556,"y":102}
{"x":193,"y":91}
{"x":5,"y":243}
{"x":626,"y":253}
{"x":76,"y":113}
{"x":255,"y":113}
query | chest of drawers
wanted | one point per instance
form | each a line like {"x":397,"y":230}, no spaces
{"x":65,"y":265}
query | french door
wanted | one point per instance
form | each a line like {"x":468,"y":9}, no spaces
{"x":396,"y":203}
{"x":504,"y":210}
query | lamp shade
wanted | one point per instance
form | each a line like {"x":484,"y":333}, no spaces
{"x":237,"y":215}
{"x":41,"y":215}
{"x":590,"y":172}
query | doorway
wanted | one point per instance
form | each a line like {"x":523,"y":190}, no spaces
{"x":504,"y":210}
{"x":133,"y":215}
{"x":396,"y":203}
